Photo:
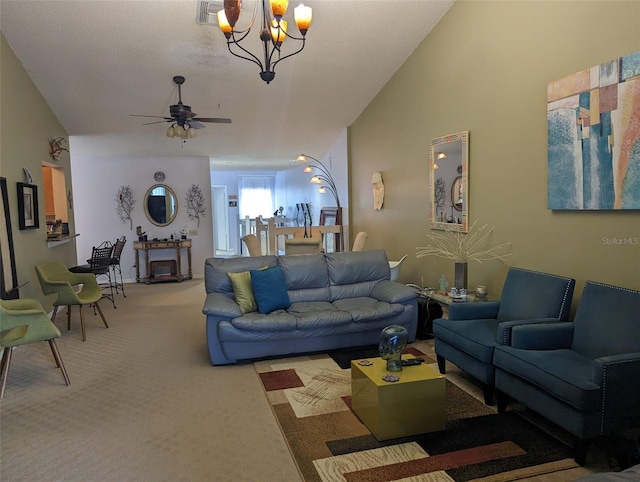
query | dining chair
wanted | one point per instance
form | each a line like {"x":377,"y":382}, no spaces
{"x":23,"y":321}
{"x":114,"y":263}
{"x":253,"y":244}
{"x":55,"y":278}
{"x":360,"y":241}
{"x":100,"y":265}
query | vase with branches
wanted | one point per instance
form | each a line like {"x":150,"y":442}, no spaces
{"x":462,"y":248}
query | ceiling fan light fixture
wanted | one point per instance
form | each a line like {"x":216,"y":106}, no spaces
{"x":191,"y":133}
{"x":171,"y":132}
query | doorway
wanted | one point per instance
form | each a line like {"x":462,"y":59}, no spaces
{"x":221,"y":243}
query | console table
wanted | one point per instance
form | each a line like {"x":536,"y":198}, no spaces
{"x":176,"y":245}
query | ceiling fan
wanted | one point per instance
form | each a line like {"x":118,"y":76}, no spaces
{"x":183,"y":121}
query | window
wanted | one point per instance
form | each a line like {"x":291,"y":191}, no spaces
{"x":256,"y":196}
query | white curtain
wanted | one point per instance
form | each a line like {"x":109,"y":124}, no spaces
{"x":256,"y":196}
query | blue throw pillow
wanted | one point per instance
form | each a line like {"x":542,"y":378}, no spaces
{"x":270,"y":290}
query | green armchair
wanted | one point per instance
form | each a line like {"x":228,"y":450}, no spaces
{"x":23,"y":322}
{"x":55,"y":278}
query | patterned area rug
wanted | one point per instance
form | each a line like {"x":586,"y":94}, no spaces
{"x":311,"y":399}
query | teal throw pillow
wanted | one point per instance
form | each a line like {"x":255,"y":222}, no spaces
{"x":270,"y":290}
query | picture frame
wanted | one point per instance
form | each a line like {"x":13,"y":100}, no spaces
{"x":28,"y":206}
{"x":8,"y":278}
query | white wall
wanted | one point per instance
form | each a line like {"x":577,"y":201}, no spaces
{"x":96,"y":180}
{"x":95,"y":184}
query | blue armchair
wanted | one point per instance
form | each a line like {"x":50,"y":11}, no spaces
{"x":583,"y":376}
{"x":472,"y":331}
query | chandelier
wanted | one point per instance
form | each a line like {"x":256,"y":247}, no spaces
{"x":324,"y":179}
{"x":273,"y":32}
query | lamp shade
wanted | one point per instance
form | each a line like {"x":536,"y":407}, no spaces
{"x":303,"y":15}
{"x":279,"y":8}
{"x":232,"y":11}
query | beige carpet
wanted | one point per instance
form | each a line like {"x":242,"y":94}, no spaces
{"x":144,"y":401}
{"x":145,"y":404}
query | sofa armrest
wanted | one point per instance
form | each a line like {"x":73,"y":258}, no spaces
{"x":221,"y":305}
{"x":474,"y":311}
{"x":393,"y":292}
{"x":619,"y":377}
{"x":547,"y":335}
{"x":505,"y":328}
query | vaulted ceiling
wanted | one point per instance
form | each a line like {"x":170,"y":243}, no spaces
{"x":98,"y":61}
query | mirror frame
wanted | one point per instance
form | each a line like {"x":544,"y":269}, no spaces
{"x":146,"y":205}
{"x":463,"y":176}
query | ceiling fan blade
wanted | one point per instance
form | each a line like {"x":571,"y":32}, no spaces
{"x":157,"y":122}
{"x":156,"y":116}
{"x":195,"y":124}
{"x":217,"y":120}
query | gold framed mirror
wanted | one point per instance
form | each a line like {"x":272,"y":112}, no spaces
{"x":449,"y":182}
{"x":160,"y":205}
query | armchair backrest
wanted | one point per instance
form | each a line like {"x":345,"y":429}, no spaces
{"x":607,"y":321}
{"x":48,"y":273}
{"x":531,"y":294}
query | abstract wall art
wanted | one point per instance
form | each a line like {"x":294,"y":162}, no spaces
{"x":594,"y":137}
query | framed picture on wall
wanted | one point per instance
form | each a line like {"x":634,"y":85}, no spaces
{"x":28,"y":206}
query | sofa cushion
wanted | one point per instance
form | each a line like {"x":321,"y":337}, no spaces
{"x":367,"y":309}
{"x":276,"y":321}
{"x":564,"y":373}
{"x":318,"y":314}
{"x":270,"y":289}
{"x":216,"y":269}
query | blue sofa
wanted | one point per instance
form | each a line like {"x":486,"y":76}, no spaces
{"x":583,"y":375}
{"x":338,"y":300}
{"x":473,"y":330}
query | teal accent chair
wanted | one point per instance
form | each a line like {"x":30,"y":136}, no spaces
{"x":22,"y":322}
{"x":55,"y":278}
{"x":473,"y":330}
{"x":583,"y":375}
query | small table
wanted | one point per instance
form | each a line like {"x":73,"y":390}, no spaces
{"x":175,"y":245}
{"x":415,"y":404}
{"x":445,"y":300}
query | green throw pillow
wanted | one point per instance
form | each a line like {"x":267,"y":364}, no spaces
{"x":243,"y":291}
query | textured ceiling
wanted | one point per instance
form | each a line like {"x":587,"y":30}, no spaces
{"x":98,"y":61}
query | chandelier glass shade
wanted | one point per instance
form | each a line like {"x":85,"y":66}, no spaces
{"x":273,"y":32}
{"x":324,"y":178}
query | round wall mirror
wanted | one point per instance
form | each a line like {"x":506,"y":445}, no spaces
{"x":160,"y":205}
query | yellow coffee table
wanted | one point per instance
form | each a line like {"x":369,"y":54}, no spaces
{"x":410,"y":406}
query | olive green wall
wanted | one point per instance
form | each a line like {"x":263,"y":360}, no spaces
{"x":26,"y":125}
{"x":485,"y":68}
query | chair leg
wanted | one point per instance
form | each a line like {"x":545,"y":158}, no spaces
{"x":580,"y":449}
{"x":56,"y":355}
{"x":442,"y":363}
{"x":82,"y":325}
{"x":6,"y":362}
{"x":101,"y":314}
{"x":487,"y":391}
{"x":55,"y":312}
{"x":503,"y":401}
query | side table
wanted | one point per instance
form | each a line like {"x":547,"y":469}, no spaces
{"x":415,"y":404}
